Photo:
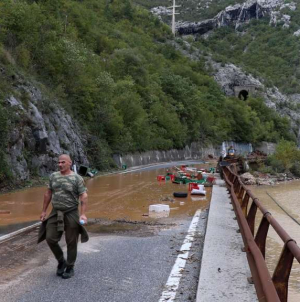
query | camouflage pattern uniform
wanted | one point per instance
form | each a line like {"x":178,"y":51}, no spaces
{"x":66,"y":190}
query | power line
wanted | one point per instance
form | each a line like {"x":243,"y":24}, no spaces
{"x":283,"y":209}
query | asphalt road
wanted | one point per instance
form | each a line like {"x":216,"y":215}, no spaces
{"x":127,"y":266}
{"x":124,"y":262}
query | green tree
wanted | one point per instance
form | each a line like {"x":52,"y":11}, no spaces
{"x":287,"y":153}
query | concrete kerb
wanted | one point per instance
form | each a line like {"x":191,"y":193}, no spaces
{"x":224,"y":268}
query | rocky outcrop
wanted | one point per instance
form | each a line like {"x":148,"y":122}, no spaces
{"x":248,"y":179}
{"x":160,"y":10}
{"x":191,"y":28}
{"x":229,"y":77}
{"x":234,"y":82}
{"x":40,"y":132}
{"x":297,"y":33}
{"x":232,"y":78}
{"x":239,"y":14}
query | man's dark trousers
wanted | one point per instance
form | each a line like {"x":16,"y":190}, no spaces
{"x":53,"y":236}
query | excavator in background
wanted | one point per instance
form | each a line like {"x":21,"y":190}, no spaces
{"x":231,"y":157}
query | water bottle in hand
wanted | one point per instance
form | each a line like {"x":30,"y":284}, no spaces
{"x":81,"y":221}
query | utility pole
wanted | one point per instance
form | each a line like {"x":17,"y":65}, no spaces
{"x":173,"y":16}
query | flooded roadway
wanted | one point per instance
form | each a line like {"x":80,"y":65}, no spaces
{"x":287,"y":196}
{"x":124,"y":196}
{"x":115,"y":265}
{"x":127,"y":197}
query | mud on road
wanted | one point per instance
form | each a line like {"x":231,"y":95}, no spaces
{"x":21,"y":255}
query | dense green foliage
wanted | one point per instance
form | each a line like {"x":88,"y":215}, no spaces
{"x":265,"y":50}
{"x":286,"y":158}
{"x":107,"y":63}
{"x":261,"y":49}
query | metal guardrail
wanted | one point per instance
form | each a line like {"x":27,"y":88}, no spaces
{"x":5,"y":238}
{"x":269,"y":289}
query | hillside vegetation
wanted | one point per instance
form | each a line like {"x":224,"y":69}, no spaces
{"x":271,"y":52}
{"x":108,"y":64}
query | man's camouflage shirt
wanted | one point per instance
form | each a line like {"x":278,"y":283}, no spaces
{"x":66,"y":190}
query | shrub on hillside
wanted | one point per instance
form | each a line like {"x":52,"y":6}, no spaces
{"x":275,"y":164}
{"x":295,"y":169}
{"x":285,"y":157}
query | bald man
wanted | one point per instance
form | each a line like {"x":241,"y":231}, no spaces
{"x":65,"y":190}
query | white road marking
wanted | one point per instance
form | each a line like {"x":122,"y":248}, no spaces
{"x":174,"y":279}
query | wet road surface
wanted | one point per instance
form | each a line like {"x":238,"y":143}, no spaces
{"x":129,"y":256}
{"x":112,"y":268}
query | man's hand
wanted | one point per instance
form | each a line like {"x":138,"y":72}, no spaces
{"x":47,"y":199}
{"x":43,"y":216}
{"x":83,"y":217}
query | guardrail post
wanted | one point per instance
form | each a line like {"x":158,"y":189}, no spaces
{"x":236,"y":185}
{"x":251,"y":216}
{"x":261,"y":235}
{"x":235,"y":169}
{"x":231,"y":176}
{"x":240,"y":194}
{"x":282,"y":273}
{"x":244,"y":204}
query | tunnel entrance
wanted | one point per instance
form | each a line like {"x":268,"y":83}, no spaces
{"x":243,"y":95}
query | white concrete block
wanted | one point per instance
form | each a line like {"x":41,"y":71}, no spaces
{"x":159,"y":208}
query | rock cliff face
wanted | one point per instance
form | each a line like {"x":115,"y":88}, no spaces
{"x":233,"y":80}
{"x":238,"y":14}
{"x":41,"y":130}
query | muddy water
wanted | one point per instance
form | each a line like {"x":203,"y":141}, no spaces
{"x":288,"y":196}
{"x":119,"y":196}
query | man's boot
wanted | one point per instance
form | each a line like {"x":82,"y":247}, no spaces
{"x":61,"y":267}
{"x":68,"y":273}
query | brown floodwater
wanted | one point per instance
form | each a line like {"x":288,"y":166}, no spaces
{"x":127,"y":196}
{"x":287,"y":195}
{"x":116,"y":197}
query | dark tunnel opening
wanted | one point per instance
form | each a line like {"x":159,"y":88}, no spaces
{"x":243,"y":95}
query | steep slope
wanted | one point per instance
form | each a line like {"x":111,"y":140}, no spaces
{"x":261,"y":37}
{"x":107,"y":64}
{"x":267,"y":47}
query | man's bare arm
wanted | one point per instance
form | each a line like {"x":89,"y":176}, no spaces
{"x":83,"y":205}
{"x":47,"y":199}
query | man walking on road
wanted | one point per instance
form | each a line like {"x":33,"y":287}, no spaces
{"x":65,"y":190}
